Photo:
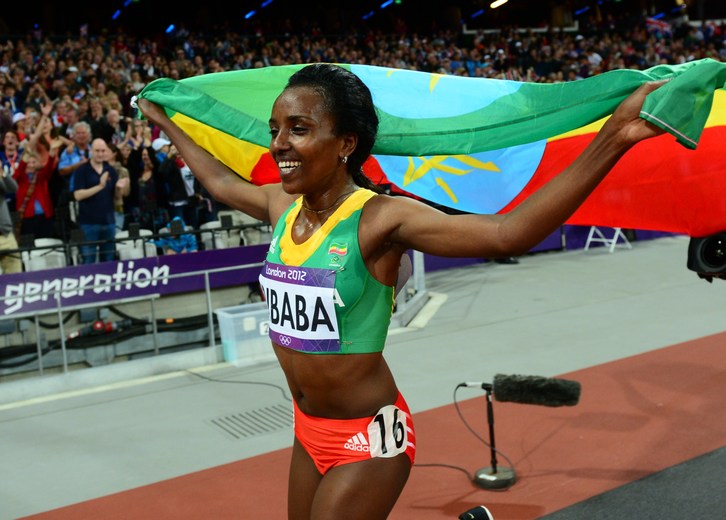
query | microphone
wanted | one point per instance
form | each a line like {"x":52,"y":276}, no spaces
{"x":531,"y":390}
{"x":478,"y":513}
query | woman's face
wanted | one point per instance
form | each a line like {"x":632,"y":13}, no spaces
{"x":33,"y":163}
{"x":10,"y":141}
{"x":302,"y":141}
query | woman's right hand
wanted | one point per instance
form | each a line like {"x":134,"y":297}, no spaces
{"x":152,"y":111}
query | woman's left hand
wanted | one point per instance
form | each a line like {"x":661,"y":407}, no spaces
{"x":626,"y":120}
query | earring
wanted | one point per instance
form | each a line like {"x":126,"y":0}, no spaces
{"x":344,"y":159}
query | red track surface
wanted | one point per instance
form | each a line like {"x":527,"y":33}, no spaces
{"x":636,"y":416}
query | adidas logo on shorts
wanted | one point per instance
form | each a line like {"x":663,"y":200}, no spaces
{"x":357,"y":442}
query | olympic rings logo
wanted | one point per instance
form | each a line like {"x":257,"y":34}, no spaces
{"x":285,"y":340}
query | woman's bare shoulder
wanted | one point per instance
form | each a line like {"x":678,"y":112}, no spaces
{"x":383,"y":215}
{"x":278,"y":200}
{"x":397,"y":207}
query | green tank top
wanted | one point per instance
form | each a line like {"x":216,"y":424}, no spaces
{"x":320,"y":296}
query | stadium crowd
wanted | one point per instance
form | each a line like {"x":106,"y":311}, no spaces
{"x":84,"y":86}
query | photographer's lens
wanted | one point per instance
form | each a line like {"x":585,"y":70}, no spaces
{"x":714,"y":252}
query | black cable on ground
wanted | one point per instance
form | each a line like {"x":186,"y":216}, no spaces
{"x":284,"y":395}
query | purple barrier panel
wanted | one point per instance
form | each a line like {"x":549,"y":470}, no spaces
{"x":36,"y":291}
{"x":211,"y":260}
{"x":641,"y":234}
{"x":435,"y":263}
{"x":551,"y":243}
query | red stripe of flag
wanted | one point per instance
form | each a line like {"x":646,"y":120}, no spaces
{"x":658,"y":185}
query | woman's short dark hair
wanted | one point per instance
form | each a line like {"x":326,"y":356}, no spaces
{"x":350,"y":103}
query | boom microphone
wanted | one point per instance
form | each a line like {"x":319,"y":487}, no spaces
{"x":532,"y":390}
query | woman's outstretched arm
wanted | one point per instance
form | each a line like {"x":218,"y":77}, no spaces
{"x":219,"y":180}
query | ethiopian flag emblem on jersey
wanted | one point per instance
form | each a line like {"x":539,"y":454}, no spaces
{"x":338,"y":249}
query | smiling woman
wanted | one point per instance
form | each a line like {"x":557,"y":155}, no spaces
{"x":333,"y":263}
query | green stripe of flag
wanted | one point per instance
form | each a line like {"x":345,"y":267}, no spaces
{"x":239,"y":103}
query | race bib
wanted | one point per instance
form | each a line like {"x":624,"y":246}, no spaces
{"x":388,"y":432}
{"x":301,"y":306}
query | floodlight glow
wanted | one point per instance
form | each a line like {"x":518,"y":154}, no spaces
{"x":497,"y":3}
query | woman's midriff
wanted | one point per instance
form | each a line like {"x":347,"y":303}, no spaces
{"x":337,"y":386}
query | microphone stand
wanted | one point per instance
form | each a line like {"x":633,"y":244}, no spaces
{"x":493,"y":477}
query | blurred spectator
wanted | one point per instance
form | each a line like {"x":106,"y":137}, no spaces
{"x":96,"y":117}
{"x":60,"y":112}
{"x":161,"y":147}
{"x":36,"y":97}
{"x":138,"y":134}
{"x":136,"y":82}
{"x":175,"y":241}
{"x":76,"y":153}
{"x":10,"y":155}
{"x":69,"y":119}
{"x":183,"y":190}
{"x":114,"y":131}
{"x":34,"y":206}
{"x":19,"y":125}
{"x":33,"y":201}
{"x":48,"y":140}
{"x":147,"y":203}
{"x":72,"y":157}
{"x":117,"y":161}
{"x":94,"y":185}
{"x":10,"y":99}
{"x":9,"y":262}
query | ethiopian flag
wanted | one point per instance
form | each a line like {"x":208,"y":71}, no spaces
{"x":482,"y":145}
